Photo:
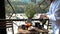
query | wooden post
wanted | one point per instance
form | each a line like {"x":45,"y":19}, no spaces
{"x":2,"y":16}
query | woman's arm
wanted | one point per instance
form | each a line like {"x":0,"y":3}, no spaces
{"x":57,"y":14}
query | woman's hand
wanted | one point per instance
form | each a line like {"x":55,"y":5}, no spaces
{"x":43,"y":16}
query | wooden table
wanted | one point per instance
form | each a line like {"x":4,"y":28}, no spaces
{"x":37,"y":31}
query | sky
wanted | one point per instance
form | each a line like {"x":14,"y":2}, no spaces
{"x":27,"y":1}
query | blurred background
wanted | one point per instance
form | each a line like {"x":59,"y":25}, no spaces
{"x":15,"y":9}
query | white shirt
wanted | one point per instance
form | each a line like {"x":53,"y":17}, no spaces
{"x":54,"y":12}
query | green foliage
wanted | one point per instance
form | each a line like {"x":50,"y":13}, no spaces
{"x":20,"y":6}
{"x":30,"y":12}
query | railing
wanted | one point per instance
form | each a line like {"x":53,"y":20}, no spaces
{"x":20,"y":19}
{"x":11,"y":20}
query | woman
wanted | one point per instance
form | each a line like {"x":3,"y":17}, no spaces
{"x":54,"y":15}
